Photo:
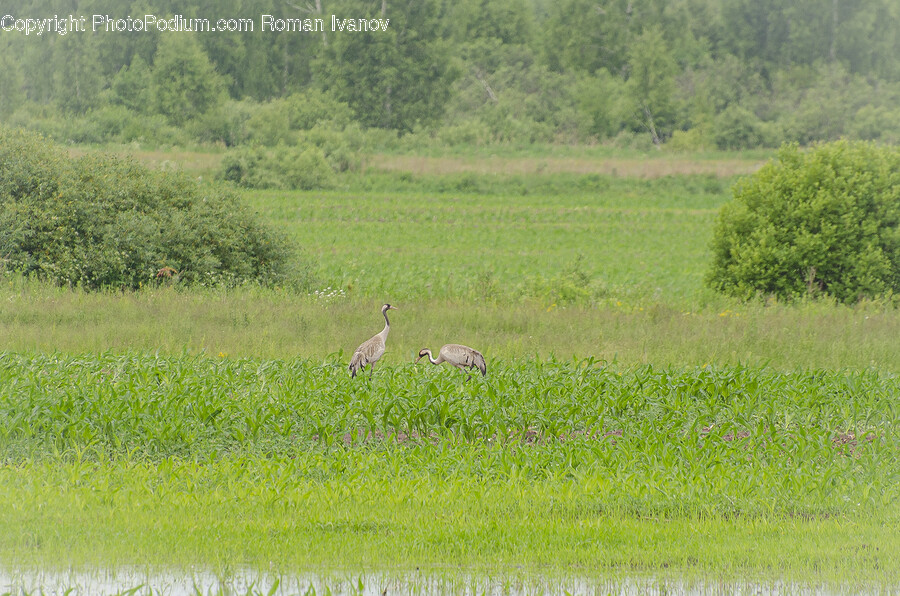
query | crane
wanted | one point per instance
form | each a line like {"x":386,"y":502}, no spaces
{"x":368,"y":353}
{"x":460,"y":356}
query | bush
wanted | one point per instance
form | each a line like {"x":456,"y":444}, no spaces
{"x":283,"y":168}
{"x":876,"y":123}
{"x":105,"y":222}
{"x":820,"y":222}
{"x":737,"y":128}
{"x":695,"y":139}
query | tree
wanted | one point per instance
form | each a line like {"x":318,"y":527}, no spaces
{"x":396,"y":78}
{"x":587,"y":35}
{"x":11,"y":83}
{"x":820,"y":222}
{"x":186,"y":84}
{"x":506,"y":20}
{"x":77,"y":81}
{"x":651,"y":84}
{"x":101,"y":221}
{"x":132,"y":86}
{"x":756,"y":31}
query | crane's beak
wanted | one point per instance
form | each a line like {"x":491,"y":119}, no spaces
{"x":393,"y":308}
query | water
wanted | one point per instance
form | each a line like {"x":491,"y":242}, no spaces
{"x":246,"y":582}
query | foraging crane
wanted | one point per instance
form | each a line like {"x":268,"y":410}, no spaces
{"x":462,"y":357}
{"x":372,"y":349}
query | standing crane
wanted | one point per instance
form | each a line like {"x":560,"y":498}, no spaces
{"x":460,"y":356}
{"x":372,"y":349}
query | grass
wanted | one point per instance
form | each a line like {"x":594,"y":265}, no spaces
{"x":568,"y":467}
{"x":632,"y":422}
{"x":646,"y":240}
{"x":646,"y":167}
{"x":256,"y":513}
{"x":253,"y":322}
{"x":525,"y":159}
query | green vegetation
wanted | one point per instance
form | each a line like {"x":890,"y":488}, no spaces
{"x":538,"y":179}
{"x":559,"y":238}
{"x":100,"y":221}
{"x":273,"y":324}
{"x":632,"y":421}
{"x":701,"y":74}
{"x":564,"y":464}
{"x":817,"y":222}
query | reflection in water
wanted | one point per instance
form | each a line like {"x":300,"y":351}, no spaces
{"x":246,"y":582}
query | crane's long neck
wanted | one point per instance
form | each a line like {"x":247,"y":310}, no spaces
{"x":387,"y":326}
{"x":430,"y":357}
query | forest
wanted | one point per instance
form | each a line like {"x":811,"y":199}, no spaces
{"x":684,"y":74}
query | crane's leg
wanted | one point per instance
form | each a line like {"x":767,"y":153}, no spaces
{"x":462,"y":367}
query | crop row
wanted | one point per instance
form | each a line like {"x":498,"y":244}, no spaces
{"x":186,"y":404}
{"x":818,"y":440}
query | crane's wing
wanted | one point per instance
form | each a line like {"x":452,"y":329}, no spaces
{"x":357,"y":363}
{"x":480,"y":363}
{"x":368,"y":353}
{"x":460,"y":355}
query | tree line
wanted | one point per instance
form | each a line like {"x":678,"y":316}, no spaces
{"x":694,"y":74}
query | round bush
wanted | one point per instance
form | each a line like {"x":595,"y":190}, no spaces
{"x":817,"y":222}
{"x":737,"y":128}
{"x":283,"y":167}
{"x":102,"y":221}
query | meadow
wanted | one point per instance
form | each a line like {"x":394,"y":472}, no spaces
{"x":561,"y":466}
{"x":632,"y":423}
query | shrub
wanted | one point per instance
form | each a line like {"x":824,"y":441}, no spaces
{"x":569,"y":287}
{"x":105,"y":222}
{"x":876,"y":123}
{"x":737,"y":128}
{"x":269,"y":125}
{"x":819,"y":222}
{"x":695,"y":139}
{"x":306,"y":110}
{"x":283,"y":168}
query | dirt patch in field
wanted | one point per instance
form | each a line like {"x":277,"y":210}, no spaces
{"x":634,"y":167}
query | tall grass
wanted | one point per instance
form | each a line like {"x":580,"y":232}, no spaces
{"x":254,"y":322}
{"x":804,"y":441}
{"x":634,"y":167}
{"x":568,"y":464}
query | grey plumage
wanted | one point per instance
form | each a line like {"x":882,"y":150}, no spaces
{"x":460,"y":356}
{"x":371,"y":350}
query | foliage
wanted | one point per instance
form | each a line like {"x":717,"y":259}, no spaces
{"x":822,"y":222}
{"x":114,"y":460}
{"x":300,"y":142}
{"x":397,"y":78}
{"x":130,"y":89}
{"x":737,"y":128}
{"x":475,"y":72}
{"x":570,"y":287}
{"x":877,"y":124}
{"x":100,"y":221}
{"x":185,"y":83}
{"x":804,"y":441}
{"x":281,"y":168}
{"x":11,"y":83}
{"x":651,"y":84}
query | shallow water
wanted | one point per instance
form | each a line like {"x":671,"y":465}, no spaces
{"x":139,"y":582}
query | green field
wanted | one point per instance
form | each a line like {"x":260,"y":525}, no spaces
{"x":182,"y":459}
{"x":632,"y":423}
